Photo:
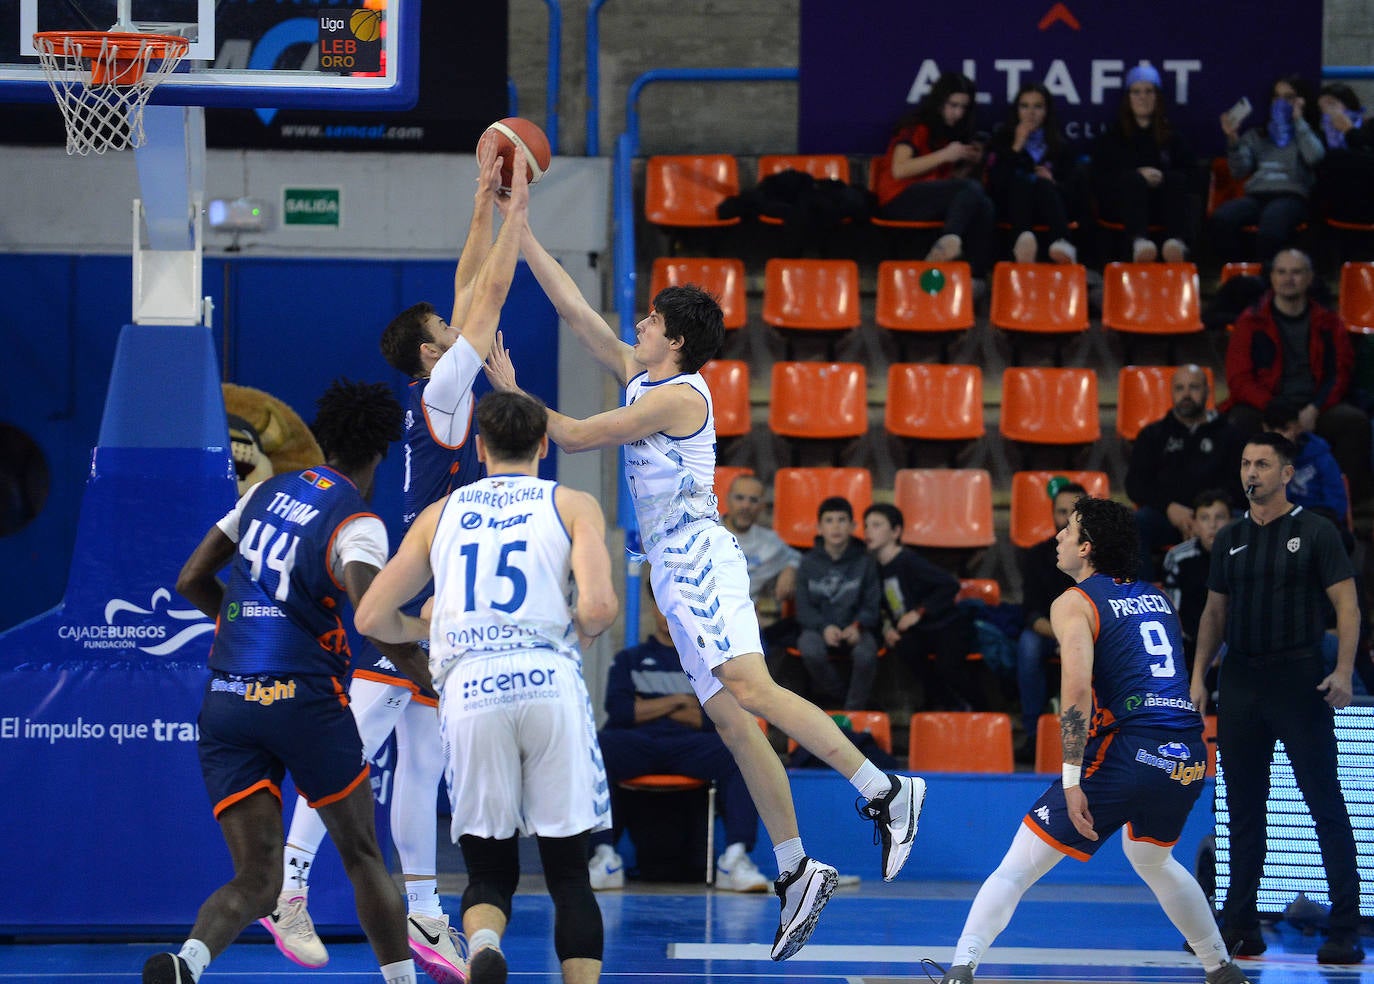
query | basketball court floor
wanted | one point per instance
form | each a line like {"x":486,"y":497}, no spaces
{"x":870,"y":934}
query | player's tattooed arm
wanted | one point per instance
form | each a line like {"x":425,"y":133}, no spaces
{"x":1073,"y":732}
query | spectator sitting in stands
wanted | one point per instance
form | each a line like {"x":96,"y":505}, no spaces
{"x":1173,"y":459}
{"x":920,"y":616}
{"x":1186,"y":566}
{"x":1145,"y":172}
{"x":772,"y":563}
{"x":1345,"y":177}
{"x":837,"y":609}
{"x":1317,"y":483}
{"x":1278,"y":164}
{"x":654,"y":724}
{"x":1287,"y":345}
{"x":929,"y":173}
{"x":1028,"y":162}
{"x":1041,"y":582}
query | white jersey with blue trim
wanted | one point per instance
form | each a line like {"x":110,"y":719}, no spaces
{"x":672,"y":479}
{"x":502,"y":574}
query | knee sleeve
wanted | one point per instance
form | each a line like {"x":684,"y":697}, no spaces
{"x":577,"y":928}
{"x":419,"y":767}
{"x":493,"y":871}
{"x":376,"y":708}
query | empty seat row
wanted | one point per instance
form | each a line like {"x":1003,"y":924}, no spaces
{"x":948,"y":508}
{"x":915,"y":296}
{"x":936,"y":402}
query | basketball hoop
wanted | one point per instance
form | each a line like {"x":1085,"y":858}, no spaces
{"x":102,"y":81}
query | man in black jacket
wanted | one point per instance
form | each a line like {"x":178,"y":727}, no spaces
{"x":1191,"y":449}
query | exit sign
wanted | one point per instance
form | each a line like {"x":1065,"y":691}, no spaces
{"x":311,"y":206}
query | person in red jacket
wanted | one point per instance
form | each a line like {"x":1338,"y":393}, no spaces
{"x":930,"y":173}
{"x":1288,"y":346}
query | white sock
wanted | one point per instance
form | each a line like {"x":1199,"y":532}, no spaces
{"x":400,"y":972}
{"x":870,"y":780}
{"x":422,"y":898}
{"x":1180,"y":898}
{"x":790,"y":854}
{"x":197,"y":957}
{"x":483,"y":939}
{"x":296,"y":865}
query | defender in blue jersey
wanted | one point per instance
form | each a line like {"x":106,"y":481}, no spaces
{"x":300,"y":543}
{"x":1132,"y":744}
{"x":440,"y":455}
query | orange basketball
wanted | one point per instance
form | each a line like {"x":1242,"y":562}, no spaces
{"x":516,"y":131}
{"x":366,"y":25}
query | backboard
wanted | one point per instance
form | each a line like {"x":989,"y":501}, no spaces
{"x":318,"y":54}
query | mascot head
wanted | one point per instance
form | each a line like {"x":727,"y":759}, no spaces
{"x":266,"y":435}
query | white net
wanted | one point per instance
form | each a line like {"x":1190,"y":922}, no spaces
{"x":102,"y":81}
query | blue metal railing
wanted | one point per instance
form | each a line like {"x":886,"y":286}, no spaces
{"x":594,"y":78}
{"x":1346,"y":72}
{"x":626,"y":149}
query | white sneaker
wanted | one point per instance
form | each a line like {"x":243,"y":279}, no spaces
{"x":1143,"y":251}
{"x":607,"y":869}
{"x":1063,"y":251}
{"x":1175,"y":251}
{"x":438,"y":947}
{"x":803,"y":895}
{"x":294,"y":933}
{"x":736,"y":872}
{"x":895,"y":815}
{"x":1025,"y":247}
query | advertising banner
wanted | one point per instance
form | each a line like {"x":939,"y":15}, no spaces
{"x":865,"y":63}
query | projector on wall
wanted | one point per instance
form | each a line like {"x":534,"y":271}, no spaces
{"x":237,"y":214}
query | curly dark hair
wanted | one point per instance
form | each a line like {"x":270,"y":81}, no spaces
{"x":356,"y":421}
{"x":402,"y":338}
{"x":511,"y":424}
{"x":1110,"y":528}
{"x":930,"y":110}
{"x":692,"y":314}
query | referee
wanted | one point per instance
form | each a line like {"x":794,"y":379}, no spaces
{"x":1270,"y":570}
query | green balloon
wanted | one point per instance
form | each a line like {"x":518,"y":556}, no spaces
{"x":933,"y":280}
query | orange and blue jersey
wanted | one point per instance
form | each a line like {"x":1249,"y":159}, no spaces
{"x":432,"y":468}
{"x":281,"y":609}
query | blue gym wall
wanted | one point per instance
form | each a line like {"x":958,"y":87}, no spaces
{"x":287,"y":326}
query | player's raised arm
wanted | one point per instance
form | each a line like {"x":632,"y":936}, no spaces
{"x":478,"y":243}
{"x":586,"y":323}
{"x":492,"y":284}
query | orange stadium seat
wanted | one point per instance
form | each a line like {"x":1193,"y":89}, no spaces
{"x":960,"y":741}
{"x":672,"y":783}
{"x":725,"y":477}
{"x":1151,"y":298}
{"x":811,"y":295}
{"x":728,"y":380}
{"x":904,"y":304}
{"x":682,"y":191}
{"x":1049,"y":745}
{"x":1357,"y":297}
{"x":945,"y":507}
{"x":1049,"y":406}
{"x":1032,"y":512}
{"x":834,"y":167}
{"x":926,"y":224}
{"x":818,"y":399}
{"x":722,"y":277}
{"x":1209,"y":738}
{"x":1047,"y":298}
{"x":798,"y":493}
{"x":875,"y":723}
{"x":984,"y":589}
{"x":1240,"y":268}
{"x":934,"y":402}
{"x":1144,"y":394}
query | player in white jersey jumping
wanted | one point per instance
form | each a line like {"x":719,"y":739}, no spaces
{"x":444,"y":360}
{"x":699,"y":575}
{"x":520,"y":740}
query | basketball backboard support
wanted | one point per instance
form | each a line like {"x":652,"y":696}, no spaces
{"x":242,"y":53}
